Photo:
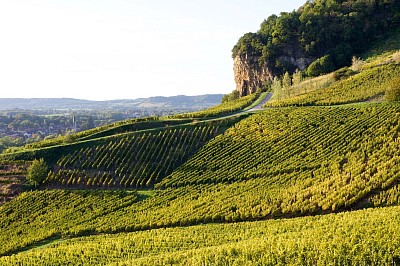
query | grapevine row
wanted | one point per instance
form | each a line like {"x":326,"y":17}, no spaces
{"x":132,"y":161}
{"x":364,"y":237}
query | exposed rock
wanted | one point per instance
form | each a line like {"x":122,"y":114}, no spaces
{"x":249,"y":75}
{"x":300,"y":63}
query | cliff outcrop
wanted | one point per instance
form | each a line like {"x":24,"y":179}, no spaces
{"x":338,"y":29}
{"x":249,"y":75}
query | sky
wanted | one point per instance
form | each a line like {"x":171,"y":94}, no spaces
{"x":124,"y":49}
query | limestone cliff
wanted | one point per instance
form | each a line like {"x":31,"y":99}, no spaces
{"x":249,"y":75}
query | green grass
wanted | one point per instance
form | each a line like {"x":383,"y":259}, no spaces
{"x":257,"y":101}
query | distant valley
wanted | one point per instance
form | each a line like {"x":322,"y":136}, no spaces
{"x":173,"y":103}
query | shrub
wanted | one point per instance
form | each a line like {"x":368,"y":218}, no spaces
{"x":234,"y":95}
{"x":357,"y":63}
{"x":320,"y":66}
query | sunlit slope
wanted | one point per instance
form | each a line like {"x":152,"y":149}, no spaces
{"x":304,"y":159}
{"x":362,"y":86}
{"x":284,"y":162}
{"x":368,"y":237}
{"x":131,"y":160}
{"x":366,"y":79}
{"x":37,"y":218}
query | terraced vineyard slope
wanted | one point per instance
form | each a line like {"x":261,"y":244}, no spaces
{"x":130,"y":160}
{"x":302,"y":160}
{"x":284,"y":162}
{"x":359,"y":238}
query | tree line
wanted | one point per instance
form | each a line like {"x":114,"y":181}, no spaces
{"x":328,"y":31}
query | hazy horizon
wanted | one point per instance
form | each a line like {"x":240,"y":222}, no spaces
{"x":122,"y":99}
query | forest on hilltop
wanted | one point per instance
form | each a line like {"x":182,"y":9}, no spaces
{"x":338,"y":29}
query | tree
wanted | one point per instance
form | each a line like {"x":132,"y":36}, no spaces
{"x":286,"y":81}
{"x":37,"y":172}
{"x":297,"y":77}
{"x":276,"y":88}
{"x":231,"y":96}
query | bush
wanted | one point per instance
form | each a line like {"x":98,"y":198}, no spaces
{"x":357,"y":63}
{"x":393,"y":91}
{"x":320,"y":66}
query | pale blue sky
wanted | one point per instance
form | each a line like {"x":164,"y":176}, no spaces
{"x":124,"y":49}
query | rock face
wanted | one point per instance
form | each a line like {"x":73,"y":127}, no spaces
{"x":249,"y":75}
{"x":300,"y":63}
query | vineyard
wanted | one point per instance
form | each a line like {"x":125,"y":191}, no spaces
{"x":131,"y":161}
{"x":285,"y":162}
{"x":368,"y":237}
{"x":304,"y":159}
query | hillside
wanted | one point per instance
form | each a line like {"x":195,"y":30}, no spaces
{"x":313,"y":178}
{"x":369,"y":82}
{"x":180,"y":102}
{"x":279,"y":171}
{"x":302,"y":241}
